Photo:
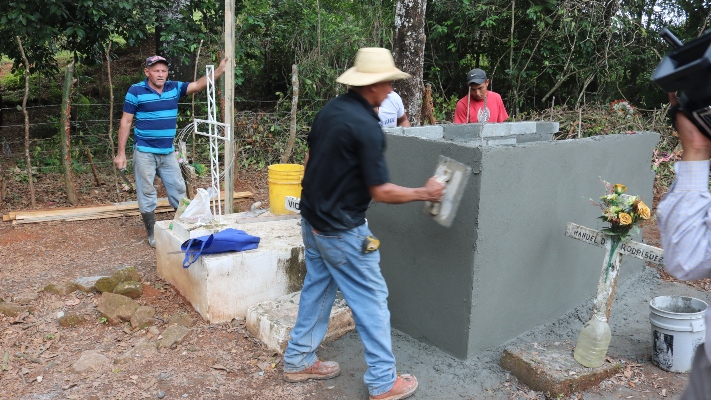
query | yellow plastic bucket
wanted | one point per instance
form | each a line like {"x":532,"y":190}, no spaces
{"x":284,"y":180}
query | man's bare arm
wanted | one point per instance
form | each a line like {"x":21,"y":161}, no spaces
{"x":201,"y":84}
{"x":393,"y":194}
{"x":123,"y":132}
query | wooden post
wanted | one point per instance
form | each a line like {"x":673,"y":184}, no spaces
{"x":28,"y":160}
{"x":93,"y":167}
{"x":64,"y":132}
{"x":294,"y":101}
{"x":111,"y":116}
{"x":229,"y":78}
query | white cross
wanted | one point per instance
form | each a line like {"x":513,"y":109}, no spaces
{"x":213,"y":132}
{"x":611,"y":263}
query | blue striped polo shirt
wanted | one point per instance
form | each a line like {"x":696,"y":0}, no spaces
{"x":156,"y":115}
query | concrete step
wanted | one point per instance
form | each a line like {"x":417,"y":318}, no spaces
{"x":272,"y":321}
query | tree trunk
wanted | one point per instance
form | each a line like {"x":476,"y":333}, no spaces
{"x":28,"y":160}
{"x":409,"y":49}
{"x":64,"y":132}
{"x":111,"y":115}
{"x":294,"y":101}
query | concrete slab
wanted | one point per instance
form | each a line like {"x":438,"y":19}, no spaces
{"x":223,"y":286}
{"x":425,"y":132}
{"x":522,"y":127}
{"x":550,"y":368}
{"x":534,"y":137}
{"x":272,"y":321}
{"x":504,"y":141}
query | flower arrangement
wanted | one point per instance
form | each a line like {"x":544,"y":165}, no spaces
{"x":622,"y":109}
{"x":623,"y":212}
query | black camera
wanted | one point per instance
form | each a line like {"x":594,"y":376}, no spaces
{"x":687,"y":68}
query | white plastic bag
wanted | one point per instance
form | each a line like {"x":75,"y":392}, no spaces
{"x":199,"y":209}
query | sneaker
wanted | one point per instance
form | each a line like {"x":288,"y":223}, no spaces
{"x":404,"y":387}
{"x":320,"y":370}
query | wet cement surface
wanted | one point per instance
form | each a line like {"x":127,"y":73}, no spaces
{"x":442,"y":376}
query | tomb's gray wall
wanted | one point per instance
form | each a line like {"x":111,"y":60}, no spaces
{"x":428,"y":267}
{"x":504,"y":266}
{"x":526,"y":272}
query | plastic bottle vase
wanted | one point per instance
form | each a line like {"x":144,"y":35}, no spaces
{"x":592,"y":343}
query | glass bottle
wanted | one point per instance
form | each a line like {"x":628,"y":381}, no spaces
{"x":593,"y":341}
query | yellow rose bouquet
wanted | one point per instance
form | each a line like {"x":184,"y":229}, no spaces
{"x":623,"y":212}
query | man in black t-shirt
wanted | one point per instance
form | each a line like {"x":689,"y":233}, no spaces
{"x":345,"y":170}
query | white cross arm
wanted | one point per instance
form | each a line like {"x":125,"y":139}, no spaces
{"x":226,"y":129}
{"x":650,"y":254}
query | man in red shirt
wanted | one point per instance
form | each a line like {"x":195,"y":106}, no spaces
{"x":481,"y":105}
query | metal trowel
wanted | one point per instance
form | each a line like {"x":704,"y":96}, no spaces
{"x":455,"y":176}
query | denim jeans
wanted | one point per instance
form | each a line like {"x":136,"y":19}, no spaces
{"x":145,"y":167}
{"x":336,"y":261}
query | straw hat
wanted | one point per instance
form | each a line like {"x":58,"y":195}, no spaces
{"x":372,"y":65}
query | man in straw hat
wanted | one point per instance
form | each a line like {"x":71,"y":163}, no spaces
{"x":480,"y":104}
{"x":345,"y":170}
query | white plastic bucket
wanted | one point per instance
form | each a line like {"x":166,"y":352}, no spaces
{"x":677,"y":330}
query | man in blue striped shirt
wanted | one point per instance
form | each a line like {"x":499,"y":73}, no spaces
{"x":154,"y":104}
{"x":685,"y":225}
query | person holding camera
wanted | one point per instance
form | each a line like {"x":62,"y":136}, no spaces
{"x":685,"y":225}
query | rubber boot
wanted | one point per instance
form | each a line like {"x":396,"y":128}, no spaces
{"x":149,"y":220}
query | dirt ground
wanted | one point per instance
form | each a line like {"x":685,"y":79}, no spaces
{"x":223,"y":360}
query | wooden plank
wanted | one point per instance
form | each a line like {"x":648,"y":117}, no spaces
{"x":34,"y":214}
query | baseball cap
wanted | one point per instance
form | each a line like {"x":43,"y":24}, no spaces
{"x":155,"y":59}
{"x":476,"y":76}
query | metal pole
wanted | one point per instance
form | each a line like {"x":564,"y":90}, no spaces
{"x":229,"y":103}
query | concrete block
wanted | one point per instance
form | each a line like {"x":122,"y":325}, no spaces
{"x":534,"y":137}
{"x":272,"y":321}
{"x":547,"y":127}
{"x":223,"y":286}
{"x":501,"y":141}
{"x":496,"y":130}
{"x":522,"y":127}
{"x":550,"y":368}
{"x":462,"y":131}
{"x":424,"y":132}
{"x":393,"y":131}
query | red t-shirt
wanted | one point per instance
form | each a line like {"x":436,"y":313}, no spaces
{"x":497,"y":111}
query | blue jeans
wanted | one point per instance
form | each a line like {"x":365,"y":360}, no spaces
{"x":145,"y":167}
{"x":336,"y":261}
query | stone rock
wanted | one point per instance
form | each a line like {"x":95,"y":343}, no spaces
{"x":90,"y":360}
{"x":130,"y":289}
{"x":116,"y":308}
{"x":143,"y":348}
{"x":87,"y":283}
{"x":61,"y":289}
{"x":153,"y":330}
{"x":12,"y":309}
{"x":25,"y":298}
{"x":127,"y":274}
{"x":71,"y":319}
{"x":551,"y":368}
{"x":180,"y":319}
{"x":106,"y":284}
{"x":172,"y":335}
{"x":143,"y":317}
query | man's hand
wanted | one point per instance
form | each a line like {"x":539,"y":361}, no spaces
{"x":221,"y":68}
{"x":434,"y":189}
{"x":120,"y":161}
{"x":697,"y":147}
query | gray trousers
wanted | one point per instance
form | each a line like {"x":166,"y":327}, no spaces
{"x":699,"y":387}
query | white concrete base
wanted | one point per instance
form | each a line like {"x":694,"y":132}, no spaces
{"x":223,"y":286}
{"x":272,"y":321}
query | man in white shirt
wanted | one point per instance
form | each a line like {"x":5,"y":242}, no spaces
{"x":392,"y":112}
{"x":684,"y":216}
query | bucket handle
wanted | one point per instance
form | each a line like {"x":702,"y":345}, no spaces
{"x":696,"y":325}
